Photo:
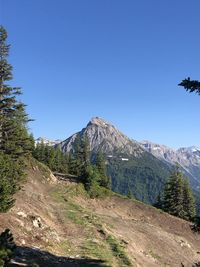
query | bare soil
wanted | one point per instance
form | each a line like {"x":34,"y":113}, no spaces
{"x":55,"y":224}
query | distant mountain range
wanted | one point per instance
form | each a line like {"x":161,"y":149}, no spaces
{"x":46,"y":141}
{"x":139,"y":167}
{"x":188,"y":158}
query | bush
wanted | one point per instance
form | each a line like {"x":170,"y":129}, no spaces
{"x":7,"y":247}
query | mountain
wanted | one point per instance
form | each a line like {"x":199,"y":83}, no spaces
{"x":46,"y":141}
{"x":187,"y":158}
{"x":55,"y":224}
{"x":130,"y":166}
{"x":103,"y":135}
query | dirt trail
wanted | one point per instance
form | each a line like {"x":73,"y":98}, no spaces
{"x":53,"y":219}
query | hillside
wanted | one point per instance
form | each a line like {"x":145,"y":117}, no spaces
{"x":56,"y":224}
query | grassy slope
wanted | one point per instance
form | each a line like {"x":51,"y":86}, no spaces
{"x":52,"y":218}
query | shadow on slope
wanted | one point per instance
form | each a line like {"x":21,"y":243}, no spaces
{"x":32,"y":257}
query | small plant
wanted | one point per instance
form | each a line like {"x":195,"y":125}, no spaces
{"x":118,"y":251}
{"x":7,"y":247}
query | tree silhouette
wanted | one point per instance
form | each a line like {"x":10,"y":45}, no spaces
{"x":191,"y":85}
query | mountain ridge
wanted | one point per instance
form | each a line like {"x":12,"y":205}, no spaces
{"x":188,"y":159}
{"x":143,"y":162}
{"x":100,"y":121}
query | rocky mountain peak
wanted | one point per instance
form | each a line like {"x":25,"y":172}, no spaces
{"x":103,"y":135}
{"x":99,"y":122}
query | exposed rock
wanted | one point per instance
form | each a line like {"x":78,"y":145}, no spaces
{"x":104,"y":135}
{"x":22,"y":214}
{"x":23,"y":242}
{"x":52,"y":178}
{"x":37,"y":222}
{"x":188,"y":158}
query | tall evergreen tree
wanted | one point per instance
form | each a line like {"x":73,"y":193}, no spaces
{"x":101,"y":168}
{"x":85,"y":157}
{"x":188,"y":202}
{"x":13,"y":119}
{"x":173,"y":194}
{"x":31,"y":143}
{"x":71,"y":163}
{"x":54,"y":158}
{"x":8,"y":185}
{"x":81,"y":156}
{"x":77,"y":156}
{"x":14,"y":138}
{"x":178,"y":199}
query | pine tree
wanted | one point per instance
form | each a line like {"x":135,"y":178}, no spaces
{"x":40,"y":153}
{"x":159,"y":202}
{"x":14,"y":138}
{"x":173,"y":195}
{"x":7,"y":186}
{"x":81,"y":156}
{"x":178,"y":199}
{"x":191,"y":85}
{"x":71,"y":163}
{"x":77,"y":156}
{"x":31,"y":143}
{"x":13,"y":119}
{"x":54,"y":158}
{"x":188,"y":202}
{"x":101,"y":168}
{"x":85,"y":164}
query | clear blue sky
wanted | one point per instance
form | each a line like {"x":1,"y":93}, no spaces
{"x":120,"y":60}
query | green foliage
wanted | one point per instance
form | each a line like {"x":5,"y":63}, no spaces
{"x":178,"y":199}
{"x":81,"y":157}
{"x":173,"y":195}
{"x":97,"y":250}
{"x":191,"y":85}
{"x":7,"y":247}
{"x":15,"y":142}
{"x":159,"y":202}
{"x":78,"y":162}
{"x":8,"y":186}
{"x":118,"y":251}
{"x":188,"y":202}
{"x":31,"y":143}
{"x":91,"y":179}
{"x":93,"y":175}
{"x":144,"y":176}
{"x":104,"y":180}
{"x":52,"y":157}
